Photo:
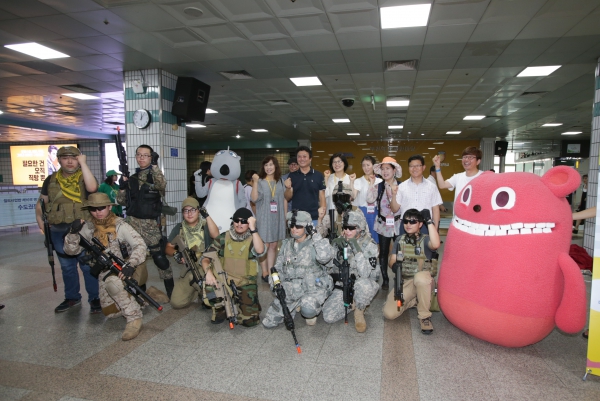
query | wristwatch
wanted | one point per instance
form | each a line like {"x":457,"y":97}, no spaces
{"x":428,"y":222}
{"x":253,"y":231}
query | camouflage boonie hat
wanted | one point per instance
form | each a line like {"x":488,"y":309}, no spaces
{"x":356,"y":218}
{"x":68,"y":151}
{"x":302,"y":218}
{"x":98,"y":199}
{"x":189,"y":201}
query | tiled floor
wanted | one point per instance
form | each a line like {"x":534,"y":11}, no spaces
{"x":180,"y":356}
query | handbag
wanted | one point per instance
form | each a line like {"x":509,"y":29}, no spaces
{"x":434,"y":306}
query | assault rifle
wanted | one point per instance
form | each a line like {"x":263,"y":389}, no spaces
{"x":227,"y":291}
{"x":287,"y":316}
{"x":347,"y":280}
{"x":398,"y":284}
{"x":109,"y":261}
{"x":122,"y":155}
{"x":191,"y":262}
{"x":49,"y":245}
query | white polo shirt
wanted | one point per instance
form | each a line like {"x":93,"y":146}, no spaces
{"x":420,"y":196}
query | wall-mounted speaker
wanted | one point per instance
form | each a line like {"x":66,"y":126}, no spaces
{"x":191,"y":99}
{"x":501,"y":148}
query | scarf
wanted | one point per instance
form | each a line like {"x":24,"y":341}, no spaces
{"x":238,"y":237}
{"x":193,"y":236}
{"x":105,"y":227}
{"x":70,"y":185}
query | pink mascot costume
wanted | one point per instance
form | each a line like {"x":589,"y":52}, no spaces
{"x":506,"y":275}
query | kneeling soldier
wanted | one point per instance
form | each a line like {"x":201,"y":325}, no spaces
{"x":231,"y":265}
{"x":302,"y":271}
{"x":196,"y":231}
{"x":115,"y":235}
{"x":361,"y":254}
{"x":413,"y":259}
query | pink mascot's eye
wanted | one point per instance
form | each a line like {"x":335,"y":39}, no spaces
{"x":466,"y":195}
{"x":503,"y":198}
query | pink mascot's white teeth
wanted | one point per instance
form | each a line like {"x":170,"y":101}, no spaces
{"x":490,"y":230}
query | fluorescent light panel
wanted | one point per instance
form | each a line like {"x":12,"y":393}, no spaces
{"x":452,"y":132}
{"x":404,"y":16}
{"x":474,"y":118}
{"x":551,"y":125}
{"x":81,"y":96}
{"x":36,"y":50}
{"x":538,"y":71}
{"x":571,"y":133}
{"x":340,"y":120}
{"x":306,"y":81}
{"x":195,"y":126}
{"x":211,"y":111}
{"x":260,"y":130}
{"x":395,"y":126}
{"x":397,"y":103}
{"x":352,"y":133}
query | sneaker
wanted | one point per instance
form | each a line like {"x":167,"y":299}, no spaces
{"x":95,"y":306}
{"x":426,"y":326}
{"x":67,"y":304}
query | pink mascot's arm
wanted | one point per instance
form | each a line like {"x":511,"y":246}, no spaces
{"x":571,"y":313}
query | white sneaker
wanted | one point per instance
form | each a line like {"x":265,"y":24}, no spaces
{"x":312,"y":321}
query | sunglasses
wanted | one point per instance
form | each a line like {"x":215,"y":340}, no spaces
{"x":240,"y":221}
{"x":296,"y":226}
{"x":411,"y":221}
{"x":96,"y":209}
{"x":351,"y":228}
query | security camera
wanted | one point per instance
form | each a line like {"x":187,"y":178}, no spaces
{"x":348,"y":102}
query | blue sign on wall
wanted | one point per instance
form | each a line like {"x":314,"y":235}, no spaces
{"x":174,"y":152}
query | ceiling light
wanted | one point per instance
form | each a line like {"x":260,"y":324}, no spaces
{"x":211,"y":111}
{"x":395,"y":126}
{"x":195,"y":126}
{"x":340,"y":120}
{"x":81,"y":96}
{"x":438,"y":143}
{"x":306,"y":81}
{"x":431,"y":148}
{"x":404,"y":16}
{"x":260,"y":130}
{"x":551,"y":124}
{"x":452,"y":132}
{"x":1,"y":112}
{"x":397,"y":103}
{"x":352,"y":133}
{"x":538,"y":71}
{"x":37,"y":50}
{"x":32,"y":110}
{"x":237,"y":136}
{"x":474,"y":118}
{"x":571,"y":133}
{"x":422,"y":134}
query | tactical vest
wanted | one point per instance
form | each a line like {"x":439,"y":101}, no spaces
{"x":62,"y":209}
{"x":144,"y":203}
{"x":236,"y":261}
{"x":413,"y":263}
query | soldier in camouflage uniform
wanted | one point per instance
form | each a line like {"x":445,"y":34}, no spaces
{"x":238,"y":250}
{"x":113,"y":232}
{"x":302,"y":271}
{"x":141,"y":194}
{"x":342,"y":203}
{"x":362,"y":255}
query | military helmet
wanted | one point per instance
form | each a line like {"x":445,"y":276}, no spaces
{"x":355,"y":218}
{"x":299,"y":218}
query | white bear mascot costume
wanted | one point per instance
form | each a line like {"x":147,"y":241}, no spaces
{"x":225,"y":193}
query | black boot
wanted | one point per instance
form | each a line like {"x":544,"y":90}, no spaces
{"x":383,"y":264}
{"x":169,"y":285}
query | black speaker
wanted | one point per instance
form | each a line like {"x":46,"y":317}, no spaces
{"x":191,"y":99}
{"x":501,"y":148}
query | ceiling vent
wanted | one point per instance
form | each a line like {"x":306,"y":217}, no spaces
{"x":280,"y":102}
{"x":401,"y":65}
{"x":236,"y":75}
{"x":78,"y":88}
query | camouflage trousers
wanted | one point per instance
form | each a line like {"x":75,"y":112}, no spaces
{"x":183,"y":293}
{"x":247,"y":303}
{"x":364,"y":292}
{"x":150,"y":233}
{"x":115,"y":301}
{"x":310,"y":304}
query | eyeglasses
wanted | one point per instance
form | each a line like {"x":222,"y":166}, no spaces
{"x":411,"y":221}
{"x":415,"y":166}
{"x":468,"y":157}
{"x":297,"y":226}
{"x":240,"y":221}
{"x":189,"y":211}
{"x":337,"y":162}
{"x":140,"y":156}
{"x":96,"y":209}
{"x":350,"y":228}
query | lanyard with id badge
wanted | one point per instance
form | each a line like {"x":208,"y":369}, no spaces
{"x":273,"y":204}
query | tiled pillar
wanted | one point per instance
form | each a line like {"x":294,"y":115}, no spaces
{"x":488,"y":147}
{"x":163,"y":134}
{"x":592,"y":194}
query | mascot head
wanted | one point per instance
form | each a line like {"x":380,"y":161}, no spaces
{"x":226,"y":165}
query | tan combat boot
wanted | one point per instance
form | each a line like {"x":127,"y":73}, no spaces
{"x":359,"y":320}
{"x":157,"y":295}
{"x":132,"y":330}
{"x":312,"y":321}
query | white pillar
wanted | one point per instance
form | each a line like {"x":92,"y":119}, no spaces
{"x":592,"y":194}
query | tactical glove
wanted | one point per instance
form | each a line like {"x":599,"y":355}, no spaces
{"x":128,"y":271}
{"x":178,"y":256}
{"x":155,"y":158}
{"x":76,"y":226}
{"x":203,"y":212}
{"x":426,"y":215}
{"x":123,"y":184}
{"x":354,"y":245}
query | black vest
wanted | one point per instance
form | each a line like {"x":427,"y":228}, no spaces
{"x":144,"y":203}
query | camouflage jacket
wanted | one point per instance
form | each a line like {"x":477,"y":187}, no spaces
{"x":310,"y":255}
{"x":160,"y":182}
{"x":363,"y":261}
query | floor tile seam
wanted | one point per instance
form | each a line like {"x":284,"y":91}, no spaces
{"x":27,"y":290}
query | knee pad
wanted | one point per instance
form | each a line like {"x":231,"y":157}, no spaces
{"x":113,"y":286}
{"x":160,"y":260}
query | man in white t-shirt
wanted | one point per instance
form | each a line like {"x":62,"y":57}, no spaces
{"x":471,"y":157}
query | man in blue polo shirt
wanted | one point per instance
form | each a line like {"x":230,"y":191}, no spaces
{"x":306,"y":186}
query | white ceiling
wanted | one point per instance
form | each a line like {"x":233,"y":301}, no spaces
{"x":467,"y":56}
